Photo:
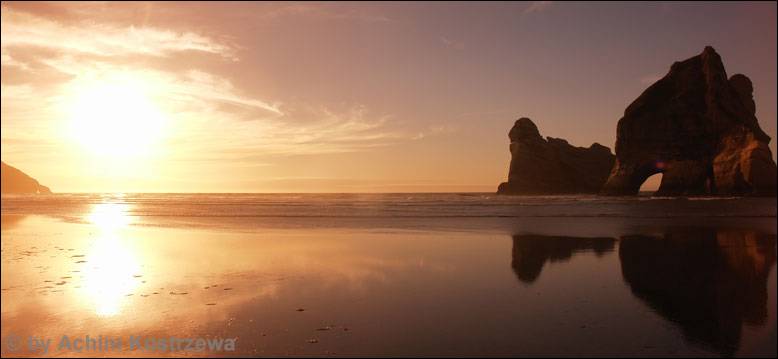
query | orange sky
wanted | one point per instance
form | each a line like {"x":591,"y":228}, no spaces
{"x":337,"y":97}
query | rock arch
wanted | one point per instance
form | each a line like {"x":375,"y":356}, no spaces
{"x":699,"y":129}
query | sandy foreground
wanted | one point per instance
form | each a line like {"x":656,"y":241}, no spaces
{"x":109,"y":286}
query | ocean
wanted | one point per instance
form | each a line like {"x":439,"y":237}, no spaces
{"x":327,"y":209}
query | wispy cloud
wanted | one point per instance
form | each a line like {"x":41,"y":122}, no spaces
{"x":199,"y":85}
{"x":28,"y":30}
{"x":434,"y":130}
{"x":102,"y":39}
{"x":7,"y":60}
{"x":322,"y":11}
{"x":310,"y":130}
{"x":453,"y":44}
{"x":536,"y":6}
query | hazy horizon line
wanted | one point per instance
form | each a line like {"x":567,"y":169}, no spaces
{"x":435,"y":192}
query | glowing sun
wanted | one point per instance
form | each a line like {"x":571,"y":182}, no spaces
{"x":115,"y":118}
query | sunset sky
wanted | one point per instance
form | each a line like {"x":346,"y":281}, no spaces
{"x":338,"y":97}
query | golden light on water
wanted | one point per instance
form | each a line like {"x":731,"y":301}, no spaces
{"x":109,"y":217}
{"x":111,"y":265}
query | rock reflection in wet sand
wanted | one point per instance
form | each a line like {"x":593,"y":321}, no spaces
{"x":708,"y":282}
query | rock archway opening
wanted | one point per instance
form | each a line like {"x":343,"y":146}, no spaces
{"x":651,"y":184}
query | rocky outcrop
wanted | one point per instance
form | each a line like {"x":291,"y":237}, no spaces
{"x":698,"y":128}
{"x":551,"y":165}
{"x":16,"y":181}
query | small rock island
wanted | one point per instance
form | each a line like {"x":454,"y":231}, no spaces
{"x":552,"y":165}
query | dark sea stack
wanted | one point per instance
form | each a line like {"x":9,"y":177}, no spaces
{"x":698,"y":128}
{"x":16,"y":181}
{"x":551,"y":165}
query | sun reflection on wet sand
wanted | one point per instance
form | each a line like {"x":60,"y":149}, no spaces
{"x":312,"y":291}
{"x":111,"y":265}
{"x":110,"y":217}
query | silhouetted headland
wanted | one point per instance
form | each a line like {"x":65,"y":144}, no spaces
{"x":16,"y":181}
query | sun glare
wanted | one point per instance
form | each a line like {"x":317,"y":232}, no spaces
{"x":111,"y":264}
{"x":115,"y":118}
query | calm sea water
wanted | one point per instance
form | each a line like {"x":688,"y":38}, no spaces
{"x":257,"y":207}
{"x":397,"y":274}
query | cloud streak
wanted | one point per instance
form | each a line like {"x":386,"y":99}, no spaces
{"x":453,"y":44}
{"x":536,"y":6}
{"x":321,"y":11}
{"x":101,"y":39}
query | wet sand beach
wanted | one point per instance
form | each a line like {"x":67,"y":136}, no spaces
{"x":381,"y":280}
